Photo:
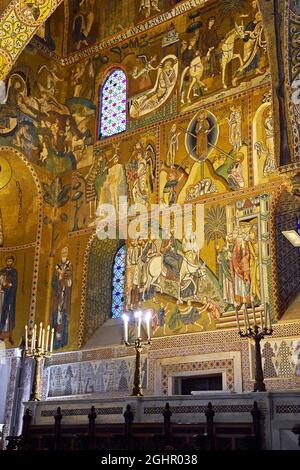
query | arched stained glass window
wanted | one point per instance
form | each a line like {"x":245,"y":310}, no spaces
{"x":113,"y":104}
{"x":118,"y":283}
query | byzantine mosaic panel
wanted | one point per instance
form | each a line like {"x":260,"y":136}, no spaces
{"x":87,"y":378}
{"x":280,"y":358}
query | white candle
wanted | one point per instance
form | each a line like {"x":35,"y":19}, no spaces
{"x":148,"y":320}
{"x":26,"y":338}
{"x":52,"y":339}
{"x":43,"y":340}
{"x":138,"y":316}
{"x":33,"y":339}
{"x":40,"y":335}
{"x":126,"y":321}
{"x":47,"y":339}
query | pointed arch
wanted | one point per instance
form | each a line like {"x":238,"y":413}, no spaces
{"x":113,"y":104}
{"x":96,"y":294}
{"x":118,"y":282}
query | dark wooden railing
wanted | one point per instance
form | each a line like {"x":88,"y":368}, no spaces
{"x":164,"y":435}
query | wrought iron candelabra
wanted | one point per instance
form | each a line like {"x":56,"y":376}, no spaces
{"x":257,"y":333}
{"x":38,"y":347}
{"x":139,"y":344}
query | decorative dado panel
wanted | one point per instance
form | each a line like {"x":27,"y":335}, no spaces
{"x":280,"y":358}
{"x":86,"y":378}
{"x":212,"y":344}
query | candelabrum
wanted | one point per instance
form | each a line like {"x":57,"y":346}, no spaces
{"x":139,"y":344}
{"x":38,"y":347}
{"x":261,"y":327}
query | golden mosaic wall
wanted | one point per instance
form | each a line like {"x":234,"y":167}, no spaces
{"x":18,"y":23}
{"x":200,"y":128}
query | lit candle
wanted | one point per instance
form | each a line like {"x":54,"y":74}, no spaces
{"x":237,"y":317}
{"x":138,"y":316}
{"x":148,"y":320}
{"x":47,"y":339}
{"x":40,"y":335}
{"x":43,"y":340}
{"x":33,"y":339}
{"x":253,"y":310}
{"x":26,"y":338}
{"x":52,"y":339}
{"x":126,"y":321}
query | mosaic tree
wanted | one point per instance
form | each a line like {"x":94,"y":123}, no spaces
{"x":215,"y":225}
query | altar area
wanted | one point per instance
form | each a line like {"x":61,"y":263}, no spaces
{"x":103,"y":378}
{"x":233,"y":417}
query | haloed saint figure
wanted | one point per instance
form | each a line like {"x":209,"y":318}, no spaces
{"x":8,"y":292}
{"x":61,"y":300}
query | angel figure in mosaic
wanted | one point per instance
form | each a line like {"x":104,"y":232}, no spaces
{"x":146,"y":68}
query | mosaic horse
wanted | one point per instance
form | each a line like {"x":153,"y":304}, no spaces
{"x":155,"y":269}
{"x":228,"y":54}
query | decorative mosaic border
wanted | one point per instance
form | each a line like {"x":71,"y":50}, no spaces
{"x":226,"y":365}
{"x":193,"y":409}
{"x":288,"y":409}
{"x":84,"y":411}
{"x":17,"y":29}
